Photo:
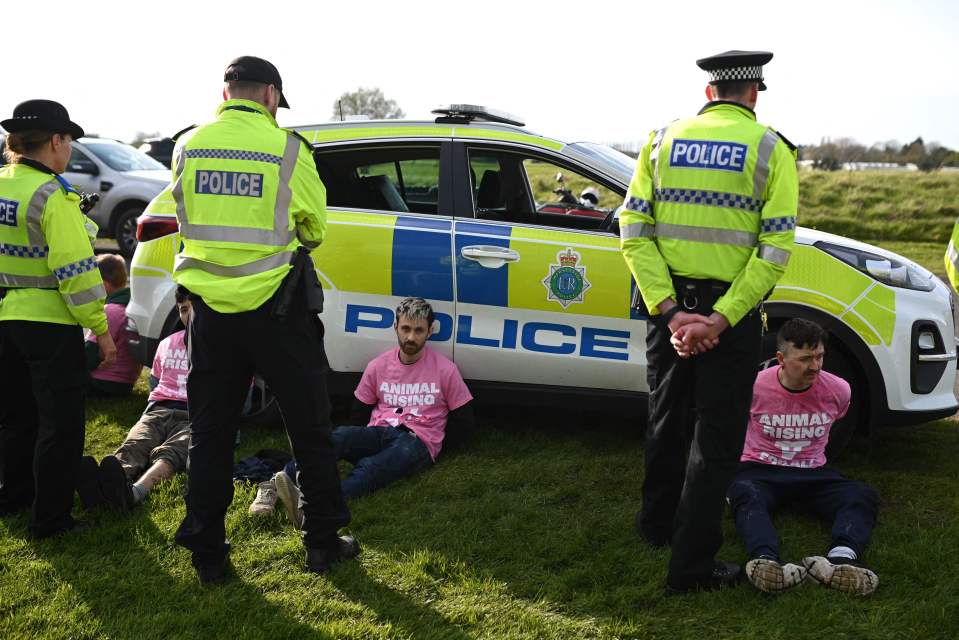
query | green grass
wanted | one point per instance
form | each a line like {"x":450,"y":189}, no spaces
{"x":526,"y":534}
{"x":880,"y":205}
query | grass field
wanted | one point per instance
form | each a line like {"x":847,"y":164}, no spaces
{"x":526,"y":534}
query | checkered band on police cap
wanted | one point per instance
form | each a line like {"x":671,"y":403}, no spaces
{"x":736,"y":74}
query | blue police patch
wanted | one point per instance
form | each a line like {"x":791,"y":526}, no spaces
{"x":8,"y":212}
{"x":229,"y":183}
{"x":708,"y":154}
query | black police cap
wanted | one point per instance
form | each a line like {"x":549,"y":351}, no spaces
{"x":736,"y":66}
{"x":42,"y":115}
{"x":255,"y":69}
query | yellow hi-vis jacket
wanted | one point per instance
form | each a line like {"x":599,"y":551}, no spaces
{"x":713,"y":197}
{"x":46,"y":252}
{"x":952,"y":258}
{"x":247,"y":195}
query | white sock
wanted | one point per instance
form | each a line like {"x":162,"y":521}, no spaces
{"x":842,"y":552}
{"x":139,"y":492}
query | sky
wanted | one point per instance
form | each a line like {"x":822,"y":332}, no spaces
{"x":600,"y":71}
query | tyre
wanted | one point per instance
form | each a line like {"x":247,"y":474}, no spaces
{"x":125,"y":230}
{"x":838,"y":363}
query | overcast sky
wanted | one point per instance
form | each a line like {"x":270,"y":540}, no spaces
{"x":593,"y":70}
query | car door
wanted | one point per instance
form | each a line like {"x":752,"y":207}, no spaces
{"x":542,"y":291}
{"x":389,"y":236}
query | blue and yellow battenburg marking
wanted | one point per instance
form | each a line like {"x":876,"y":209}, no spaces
{"x":397,"y":255}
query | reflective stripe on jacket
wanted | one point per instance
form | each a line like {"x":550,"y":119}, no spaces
{"x":247,"y":194}
{"x":46,"y":254}
{"x":715,"y":197}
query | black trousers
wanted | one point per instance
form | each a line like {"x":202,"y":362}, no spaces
{"x":42,"y":420}
{"x":226,"y":350}
{"x":698,"y":412}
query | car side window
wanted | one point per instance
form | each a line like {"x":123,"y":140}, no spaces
{"x":80,"y":163}
{"x":399,"y":179}
{"x":515,"y":187}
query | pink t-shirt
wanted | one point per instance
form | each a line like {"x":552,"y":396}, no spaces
{"x":125,"y":368}
{"x":170,"y":367}
{"x":418,"y":395}
{"x":789,"y":428}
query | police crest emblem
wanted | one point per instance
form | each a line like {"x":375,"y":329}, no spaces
{"x":566,"y":282}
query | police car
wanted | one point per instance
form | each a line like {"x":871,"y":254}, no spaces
{"x":462,"y":211}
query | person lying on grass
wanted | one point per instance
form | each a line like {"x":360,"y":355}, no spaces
{"x":793,"y":408}
{"x":157,"y":445}
{"x":410,"y":398}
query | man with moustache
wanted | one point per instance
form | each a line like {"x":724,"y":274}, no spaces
{"x":794,"y":406}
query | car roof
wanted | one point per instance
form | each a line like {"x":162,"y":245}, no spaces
{"x":351,"y":130}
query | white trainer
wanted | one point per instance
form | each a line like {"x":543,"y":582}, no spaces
{"x":842,"y":574}
{"x":772,"y":577}
{"x":289,"y":495}
{"x":265,"y":499}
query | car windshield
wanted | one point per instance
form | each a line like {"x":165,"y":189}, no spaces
{"x":122,"y":157}
{"x":617,"y":164}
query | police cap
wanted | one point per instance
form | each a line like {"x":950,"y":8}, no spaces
{"x":42,"y":115}
{"x":736,"y":66}
{"x":253,"y":69}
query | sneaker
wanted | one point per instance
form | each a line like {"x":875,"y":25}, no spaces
{"x":842,"y":574}
{"x":343,"y":548}
{"x":289,"y":495}
{"x":725,"y":574}
{"x":770,"y":576}
{"x":116,"y":489}
{"x":265,"y":499}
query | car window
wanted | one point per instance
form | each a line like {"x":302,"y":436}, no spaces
{"x":122,"y":157}
{"x":514,"y":187}
{"x":404,"y":179}
{"x":80,"y":163}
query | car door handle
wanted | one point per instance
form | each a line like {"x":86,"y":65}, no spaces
{"x":491,"y":257}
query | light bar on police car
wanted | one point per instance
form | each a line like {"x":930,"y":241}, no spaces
{"x":477,"y":112}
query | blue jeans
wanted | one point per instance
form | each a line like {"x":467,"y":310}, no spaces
{"x":758,"y":490}
{"x":379,"y":455}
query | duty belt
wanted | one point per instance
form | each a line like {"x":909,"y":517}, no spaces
{"x":693,"y":293}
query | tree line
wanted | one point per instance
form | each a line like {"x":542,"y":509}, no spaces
{"x":831,"y":154}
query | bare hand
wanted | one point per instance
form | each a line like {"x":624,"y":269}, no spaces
{"x":108,"y":350}
{"x":699,"y":337}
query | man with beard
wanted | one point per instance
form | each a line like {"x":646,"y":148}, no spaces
{"x":410,"y":398}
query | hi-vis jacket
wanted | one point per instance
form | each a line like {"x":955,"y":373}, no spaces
{"x":713,"y":197}
{"x":46,"y":252}
{"x":952,"y":258}
{"x":247,"y":195}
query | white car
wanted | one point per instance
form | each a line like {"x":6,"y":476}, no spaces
{"x":480,"y":216}
{"x":125,"y":178}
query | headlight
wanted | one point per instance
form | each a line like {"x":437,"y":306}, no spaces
{"x":896,"y":273}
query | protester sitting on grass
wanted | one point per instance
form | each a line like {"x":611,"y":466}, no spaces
{"x":119,"y":377}
{"x":411,"y":398}
{"x":793,"y":408}
{"x":157,"y":445}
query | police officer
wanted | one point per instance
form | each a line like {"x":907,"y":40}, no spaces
{"x":247,"y":195}
{"x":707,"y":231}
{"x":50,"y":287}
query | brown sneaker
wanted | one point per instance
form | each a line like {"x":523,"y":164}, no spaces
{"x":842,"y":574}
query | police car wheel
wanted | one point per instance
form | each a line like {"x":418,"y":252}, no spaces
{"x":125,"y":230}
{"x":838,"y":363}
